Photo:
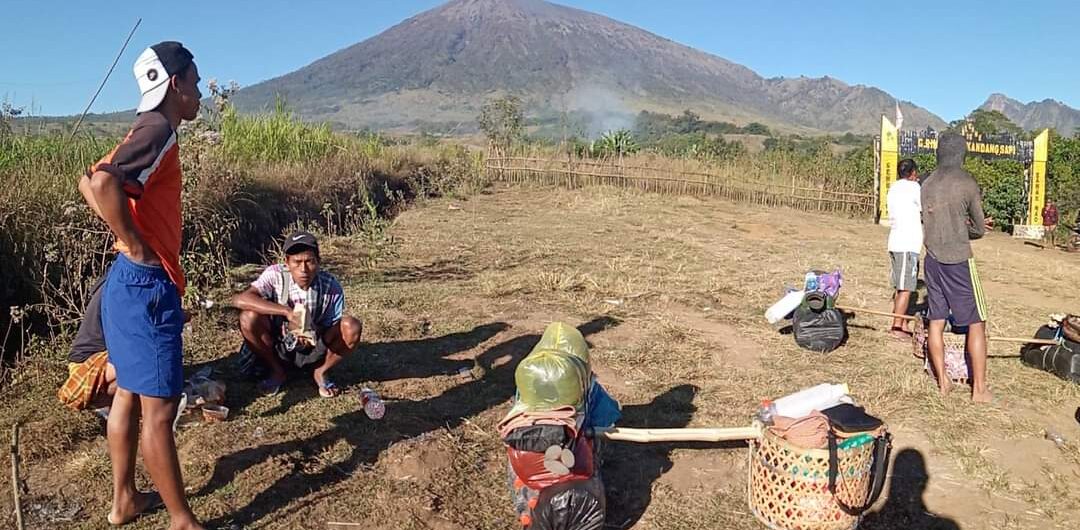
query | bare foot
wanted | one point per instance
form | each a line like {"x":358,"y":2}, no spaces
{"x":186,"y":525}
{"x":900,"y":334}
{"x":945,"y":386}
{"x":982,"y":397}
{"x":126,"y":511}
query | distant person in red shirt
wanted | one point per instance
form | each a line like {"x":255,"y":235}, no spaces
{"x":1050,"y":220}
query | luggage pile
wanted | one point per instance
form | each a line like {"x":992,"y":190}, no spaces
{"x":553,"y":470}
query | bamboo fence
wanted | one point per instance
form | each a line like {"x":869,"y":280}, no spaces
{"x":576,"y":173}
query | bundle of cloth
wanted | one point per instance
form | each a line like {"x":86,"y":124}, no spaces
{"x":554,"y":468}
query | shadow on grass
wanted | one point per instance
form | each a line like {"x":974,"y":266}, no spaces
{"x":904,"y":507}
{"x":404,"y":419}
{"x":371,"y":362}
{"x":629,"y":470}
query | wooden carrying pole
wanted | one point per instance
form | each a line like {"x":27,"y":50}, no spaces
{"x":874,"y":312}
{"x":723,"y":434}
{"x":1021,"y":340}
{"x":1014,"y":340}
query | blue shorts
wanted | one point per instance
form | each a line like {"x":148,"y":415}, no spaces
{"x":142,"y":320}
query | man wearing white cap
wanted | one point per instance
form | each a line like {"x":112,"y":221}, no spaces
{"x":135,"y":189}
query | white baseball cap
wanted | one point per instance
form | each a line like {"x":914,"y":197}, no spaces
{"x":153,"y":69}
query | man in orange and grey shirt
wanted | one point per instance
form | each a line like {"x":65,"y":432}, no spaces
{"x":135,"y":189}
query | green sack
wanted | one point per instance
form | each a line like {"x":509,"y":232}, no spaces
{"x":556,"y":373}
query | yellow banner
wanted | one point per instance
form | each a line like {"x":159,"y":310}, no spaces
{"x":930,"y":144}
{"x":1037,"y":193}
{"x":890,"y":147}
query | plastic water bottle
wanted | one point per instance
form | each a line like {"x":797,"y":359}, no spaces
{"x":766,"y":413}
{"x":373,"y":405}
{"x":808,"y":400}
{"x":781,"y":309}
{"x":1053,"y":436}
{"x":811,"y":282}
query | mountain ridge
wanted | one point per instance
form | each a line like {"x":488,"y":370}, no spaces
{"x":1035,"y":115}
{"x":442,"y":64}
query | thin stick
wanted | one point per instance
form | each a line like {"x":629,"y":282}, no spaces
{"x":102,"y":85}
{"x":873,"y":312}
{"x":679,"y":435}
{"x":15,"y":476}
{"x":334,"y":523}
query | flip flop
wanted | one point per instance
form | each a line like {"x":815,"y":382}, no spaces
{"x":328,"y":389}
{"x":156,"y":503}
{"x":270,"y":386}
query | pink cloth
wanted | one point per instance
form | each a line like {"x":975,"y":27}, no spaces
{"x":809,"y":432}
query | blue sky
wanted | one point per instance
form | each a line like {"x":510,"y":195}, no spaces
{"x":945,"y":55}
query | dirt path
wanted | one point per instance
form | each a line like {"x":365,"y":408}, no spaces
{"x":670,"y":293}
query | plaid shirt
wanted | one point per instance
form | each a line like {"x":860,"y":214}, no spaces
{"x":85,"y":381}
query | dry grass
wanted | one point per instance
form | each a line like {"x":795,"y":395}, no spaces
{"x":671,"y":291}
{"x":235,"y":208}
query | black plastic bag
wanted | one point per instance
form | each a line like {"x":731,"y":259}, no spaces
{"x":1062,"y":360}
{"x":577,"y":505}
{"x":537,"y":438}
{"x":821,"y":331}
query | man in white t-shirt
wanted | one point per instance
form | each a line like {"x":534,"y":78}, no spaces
{"x":293,"y":317}
{"x":905,"y":239}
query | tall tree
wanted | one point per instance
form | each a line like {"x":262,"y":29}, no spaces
{"x":502,"y":120}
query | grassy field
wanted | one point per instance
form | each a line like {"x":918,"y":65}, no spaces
{"x":670,"y":292}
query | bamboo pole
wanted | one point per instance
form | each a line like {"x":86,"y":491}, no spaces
{"x":1021,"y":340}
{"x":721,"y":434}
{"x":874,"y":312}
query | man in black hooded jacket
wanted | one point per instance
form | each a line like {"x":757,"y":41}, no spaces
{"x":952,"y":216}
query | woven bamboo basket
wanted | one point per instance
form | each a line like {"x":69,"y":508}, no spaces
{"x":956,"y":359}
{"x":789,"y":485}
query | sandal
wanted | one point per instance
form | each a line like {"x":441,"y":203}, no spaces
{"x":328,"y":389}
{"x":270,"y":386}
